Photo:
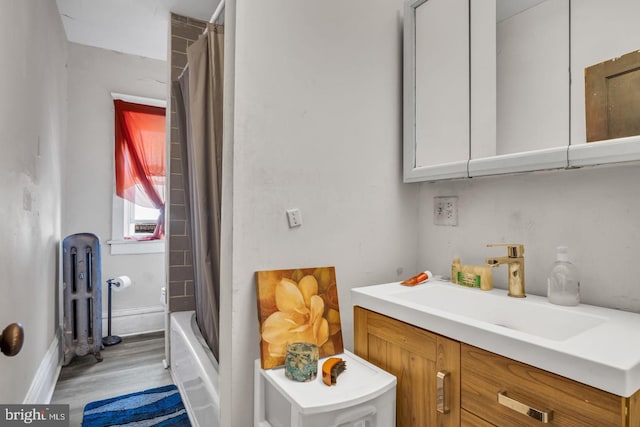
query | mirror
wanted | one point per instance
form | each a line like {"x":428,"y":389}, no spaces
{"x":532,"y":62}
{"x":522,"y":53}
{"x":436,"y":88}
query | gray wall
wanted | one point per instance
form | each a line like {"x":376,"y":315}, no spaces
{"x":317,"y":126}
{"x":33,"y":87}
{"x":594,"y":211}
{"x":89,"y":176}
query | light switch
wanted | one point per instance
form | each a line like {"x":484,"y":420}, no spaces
{"x":295,"y":217}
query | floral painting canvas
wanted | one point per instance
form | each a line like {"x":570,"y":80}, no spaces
{"x":299,"y":305}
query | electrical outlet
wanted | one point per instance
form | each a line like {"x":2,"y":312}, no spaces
{"x":445,"y":211}
{"x":295,"y":217}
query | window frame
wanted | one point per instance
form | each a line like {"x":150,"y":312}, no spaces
{"x":118,"y":244}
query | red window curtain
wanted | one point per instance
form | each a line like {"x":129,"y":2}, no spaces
{"x":140,"y":157}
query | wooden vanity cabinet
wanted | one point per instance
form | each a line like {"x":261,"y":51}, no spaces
{"x":475,"y":378}
{"x":420,"y":360}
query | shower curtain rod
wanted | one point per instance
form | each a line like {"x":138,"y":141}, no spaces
{"x":217,"y":12}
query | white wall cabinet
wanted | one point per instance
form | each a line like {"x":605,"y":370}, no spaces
{"x":521,"y":101}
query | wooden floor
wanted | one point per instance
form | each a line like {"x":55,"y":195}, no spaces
{"x":133,"y":365}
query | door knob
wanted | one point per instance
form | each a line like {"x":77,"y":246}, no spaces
{"x":12,"y":339}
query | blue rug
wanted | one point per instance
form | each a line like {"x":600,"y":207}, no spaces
{"x":160,"y":406}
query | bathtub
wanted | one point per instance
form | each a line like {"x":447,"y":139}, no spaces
{"x":194,"y":370}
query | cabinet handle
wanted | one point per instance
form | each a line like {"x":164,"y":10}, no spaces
{"x":442,"y":378}
{"x":542,"y":416}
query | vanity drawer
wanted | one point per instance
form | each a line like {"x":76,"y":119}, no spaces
{"x":467,"y":419}
{"x":484,"y":375}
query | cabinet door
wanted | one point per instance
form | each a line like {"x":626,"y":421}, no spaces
{"x":421,"y":361}
{"x":436,"y":89}
{"x":489,"y":379}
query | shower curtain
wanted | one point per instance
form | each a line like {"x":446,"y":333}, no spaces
{"x":198,"y":95}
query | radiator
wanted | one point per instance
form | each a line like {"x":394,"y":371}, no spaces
{"x":82,"y":296}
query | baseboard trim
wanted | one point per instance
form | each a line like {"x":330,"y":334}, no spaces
{"x":135,"y":321}
{"x":44,"y":382}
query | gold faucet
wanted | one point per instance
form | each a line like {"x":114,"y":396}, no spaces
{"x":515,"y":260}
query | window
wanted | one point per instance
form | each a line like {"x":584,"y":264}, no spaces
{"x":140,"y":221}
{"x":140,"y":175}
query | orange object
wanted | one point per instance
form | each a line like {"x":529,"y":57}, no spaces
{"x":417,"y":279}
{"x":331,"y":368}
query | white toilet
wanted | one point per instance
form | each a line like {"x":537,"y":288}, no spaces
{"x":364,"y":396}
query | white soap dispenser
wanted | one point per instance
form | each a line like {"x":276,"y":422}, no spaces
{"x":563,"y":284}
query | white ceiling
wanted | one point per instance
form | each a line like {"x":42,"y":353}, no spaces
{"x":137,"y":27}
{"x":140,"y":27}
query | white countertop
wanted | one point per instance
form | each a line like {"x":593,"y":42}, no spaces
{"x":605,"y":355}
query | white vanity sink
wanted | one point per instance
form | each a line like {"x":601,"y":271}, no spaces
{"x":545,"y":321}
{"x":593,"y":345}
